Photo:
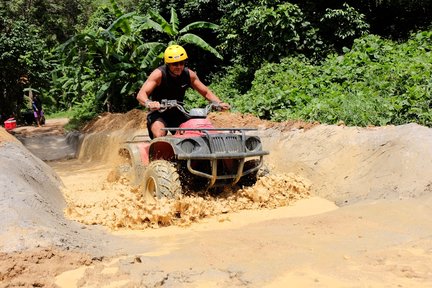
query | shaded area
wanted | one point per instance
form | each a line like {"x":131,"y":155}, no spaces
{"x":50,"y":142}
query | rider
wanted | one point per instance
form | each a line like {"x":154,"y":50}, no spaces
{"x":170,"y":81}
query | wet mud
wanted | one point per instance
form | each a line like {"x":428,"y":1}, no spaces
{"x":285,"y":230}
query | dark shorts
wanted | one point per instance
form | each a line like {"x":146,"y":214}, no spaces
{"x":172,"y":119}
{"x":38,"y":113}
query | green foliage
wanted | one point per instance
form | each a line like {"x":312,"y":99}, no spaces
{"x":99,"y":65}
{"x":102,"y":17}
{"x":273,"y":90}
{"x":23,"y":62}
{"x":342,"y":26}
{"x":181,"y":36}
{"x":346,"y":22}
{"x":104,"y":64}
{"x":267,"y":32}
{"x":59,"y":114}
{"x":86,"y":109}
{"x":56,"y":19}
{"x":226,"y":86}
{"x":274,"y":31}
{"x":377,"y":82}
{"x":111,"y":64}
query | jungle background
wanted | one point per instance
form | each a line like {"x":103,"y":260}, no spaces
{"x":355,"y":62}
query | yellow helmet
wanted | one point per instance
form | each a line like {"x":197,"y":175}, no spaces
{"x":175,"y":53}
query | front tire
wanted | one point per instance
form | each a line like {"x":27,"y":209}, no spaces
{"x":161,"y":180}
{"x":251,"y":178}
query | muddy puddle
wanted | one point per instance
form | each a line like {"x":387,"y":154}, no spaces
{"x":94,"y":197}
{"x":377,"y":236}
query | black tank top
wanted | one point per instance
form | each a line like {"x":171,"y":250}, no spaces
{"x":171,"y":88}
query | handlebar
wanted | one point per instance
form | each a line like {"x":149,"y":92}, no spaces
{"x":166,"y":104}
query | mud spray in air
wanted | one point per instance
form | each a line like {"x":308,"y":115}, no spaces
{"x":118,"y":204}
{"x":121,"y":205}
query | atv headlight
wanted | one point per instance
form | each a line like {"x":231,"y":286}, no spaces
{"x":188,"y":146}
{"x":253,"y":143}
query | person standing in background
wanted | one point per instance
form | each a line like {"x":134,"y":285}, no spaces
{"x":37,"y":109}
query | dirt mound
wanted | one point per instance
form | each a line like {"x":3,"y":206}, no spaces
{"x":227,"y":119}
{"x":136,"y":119}
{"x":351,"y":164}
{"x":37,"y":267}
{"x":31,"y":204}
{"x":5,"y":136}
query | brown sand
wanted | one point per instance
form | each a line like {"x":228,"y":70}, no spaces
{"x":284,"y":231}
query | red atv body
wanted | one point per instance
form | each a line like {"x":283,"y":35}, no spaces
{"x":196,"y":157}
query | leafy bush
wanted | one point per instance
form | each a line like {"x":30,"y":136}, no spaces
{"x":340,"y":27}
{"x":273,"y":90}
{"x":377,"y":82}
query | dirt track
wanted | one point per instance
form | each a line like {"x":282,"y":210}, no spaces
{"x":380,"y":236}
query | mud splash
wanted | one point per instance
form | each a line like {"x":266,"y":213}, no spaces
{"x":123,"y":207}
{"x":99,"y":199}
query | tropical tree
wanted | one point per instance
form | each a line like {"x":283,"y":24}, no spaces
{"x":340,"y":27}
{"x":103,"y":68}
{"x":22,"y":59}
{"x":183,"y":36}
{"x":56,"y":19}
{"x":265,"y":32}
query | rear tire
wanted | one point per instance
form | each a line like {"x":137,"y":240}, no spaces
{"x":161,"y":180}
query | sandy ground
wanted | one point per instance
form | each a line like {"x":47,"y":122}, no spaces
{"x":341,"y":207}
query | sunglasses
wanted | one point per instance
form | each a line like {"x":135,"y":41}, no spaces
{"x":175,"y":64}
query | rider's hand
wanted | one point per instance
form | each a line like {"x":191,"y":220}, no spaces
{"x":224,"y":106}
{"x":220,"y":106}
{"x":152,"y":105}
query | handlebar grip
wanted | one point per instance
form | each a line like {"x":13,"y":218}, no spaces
{"x":168,"y":104}
{"x":214,"y":106}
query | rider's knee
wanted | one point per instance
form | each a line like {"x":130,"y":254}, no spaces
{"x":157,"y":132}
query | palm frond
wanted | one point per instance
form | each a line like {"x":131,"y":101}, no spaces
{"x":174,"y":21}
{"x":141,"y":23}
{"x":198,"y":41}
{"x":124,"y":41}
{"x":103,"y":91}
{"x":166,"y":27}
{"x":116,"y":8}
{"x":122,"y":22}
{"x":198,"y":25}
{"x":153,"y":56}
{"x":152,"y":24}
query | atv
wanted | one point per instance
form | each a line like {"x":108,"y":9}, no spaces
{"x":196,"y":157}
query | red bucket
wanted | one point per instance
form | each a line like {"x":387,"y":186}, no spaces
{"x":10,"y":124}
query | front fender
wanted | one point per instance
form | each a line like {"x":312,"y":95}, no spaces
{"x":161,"y":150}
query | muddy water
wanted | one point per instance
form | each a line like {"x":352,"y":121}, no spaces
{"x":94,"y":197}
{"x":383,"y":240}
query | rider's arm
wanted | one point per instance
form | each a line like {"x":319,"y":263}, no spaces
{"x":149,"y":85}
{"x":205,"y":91}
